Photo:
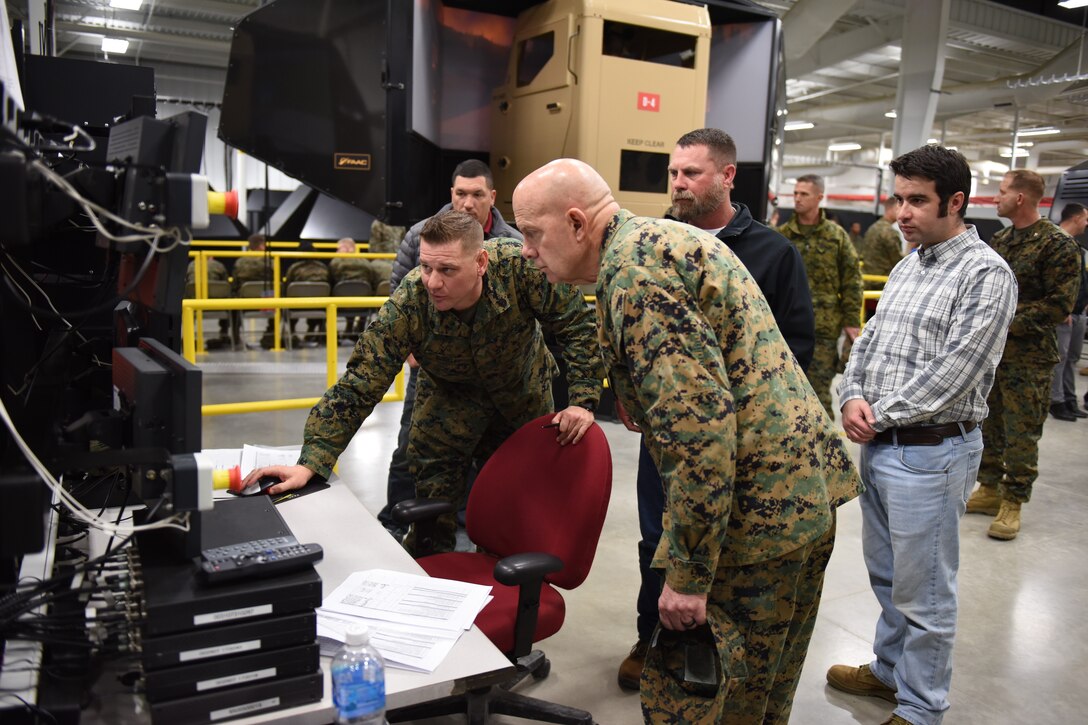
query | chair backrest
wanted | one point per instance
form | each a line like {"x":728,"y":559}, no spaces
{"x":255,"y":288}
{"x":536,"y":495}
{"x":218,"y":288}
{"x":307,"y":289}
{"x":352,"y":288}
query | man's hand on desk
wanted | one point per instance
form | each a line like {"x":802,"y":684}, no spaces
{"x":291,"y":477}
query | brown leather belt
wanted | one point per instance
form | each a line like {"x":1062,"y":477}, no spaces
{"x":924,"y":435}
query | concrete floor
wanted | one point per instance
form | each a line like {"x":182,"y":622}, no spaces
{"x":1023,"y":638}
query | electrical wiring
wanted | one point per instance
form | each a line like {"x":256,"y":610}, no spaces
{"x":150,"y":235}
{"x":79,"y":314}
{"x":177,"y":521}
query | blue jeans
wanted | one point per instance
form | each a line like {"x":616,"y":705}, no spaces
{"x":911,"y":508}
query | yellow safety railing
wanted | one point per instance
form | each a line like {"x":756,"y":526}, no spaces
{"x":190,"y":333}
{"x":871,"y":294}
{"x":200,"y":259}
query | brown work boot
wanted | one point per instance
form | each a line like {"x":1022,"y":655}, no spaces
{"x":859,"y":681}
{"x":985,"y":500}
{"x":896,"y":720}
{"x":1007,"y":524}
{"x":631,"y":667}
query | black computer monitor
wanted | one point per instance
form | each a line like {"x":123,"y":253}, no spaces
{"x":159,"y":391}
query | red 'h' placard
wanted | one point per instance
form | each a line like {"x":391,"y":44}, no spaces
{"x":649,"y":102}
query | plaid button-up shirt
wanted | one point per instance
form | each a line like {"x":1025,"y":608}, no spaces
{"x":929,"y":353}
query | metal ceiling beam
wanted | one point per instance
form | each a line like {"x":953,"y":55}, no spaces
{"x":184,"y":41}
{"x":808,"y":21}
{"x":224,"y":10}
{"x":167,"y":27}
{"x":921,"y":73}
{"x":833,"y":49}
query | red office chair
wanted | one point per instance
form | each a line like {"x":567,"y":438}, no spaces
{"x":536,"y":511}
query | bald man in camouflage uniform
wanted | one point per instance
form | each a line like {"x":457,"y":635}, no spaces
{"x":752,"y":467}
{"x":834,"y":277}
{"x":484,"y":367}
{"x":1046,"y":264}
{"x":374,"y":271}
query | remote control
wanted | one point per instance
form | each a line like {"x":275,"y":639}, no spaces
{"x":266,"y":557}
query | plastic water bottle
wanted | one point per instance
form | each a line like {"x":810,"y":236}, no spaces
{"x":358,"y":680}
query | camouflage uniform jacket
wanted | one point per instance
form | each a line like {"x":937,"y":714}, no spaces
{"x":344,"y":268}
{"x":308,"y":270}
{"x":751,"y":464}
{"x":501,"y":351}
{"x":881,"y":250}
{"x":834,"y":275}
{"x":252,"y":269}
{"x":408,"y":254}
{"x":1046,"y":264}
{"x":384,"y":237}
{"x":216,"y":271}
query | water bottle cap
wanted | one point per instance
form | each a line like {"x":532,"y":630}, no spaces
{"x":357,"y":635}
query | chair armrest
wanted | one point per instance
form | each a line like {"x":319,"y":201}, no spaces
{"x":420,"y":509}
{"x":422,"y":514}
{"x":524,"y":568}
{"x":526,"y":571}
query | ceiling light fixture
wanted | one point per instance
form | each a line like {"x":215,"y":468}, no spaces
{"x":114,"y":45}
{"x":844,"y":146}
{"x":126,"y":4}
{"x":893,"y":114}
{"x":1046,"y":131}
{"x":798,"y":125}
{"x":1006,"y":153}
{"x":1073,"y":3}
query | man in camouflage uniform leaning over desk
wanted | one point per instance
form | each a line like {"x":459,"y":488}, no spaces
{"x":471,"y":313}
{"x":1045,"y":262}
{"x":834,"y":277}
{"x":752,"y":467}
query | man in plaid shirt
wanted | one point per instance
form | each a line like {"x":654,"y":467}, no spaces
{"x":912,"y":395}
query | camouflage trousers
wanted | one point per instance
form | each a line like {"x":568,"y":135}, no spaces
{"x":1018,"y":402}
{"x":451,"y":429}
{"x":762,"y":616}
{"x":822,"y":369}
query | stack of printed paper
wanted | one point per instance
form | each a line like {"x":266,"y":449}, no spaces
{"x":414,"y":620}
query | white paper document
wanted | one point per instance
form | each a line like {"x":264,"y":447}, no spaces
{"x":409,"y":648}
{"x":410,"y":599}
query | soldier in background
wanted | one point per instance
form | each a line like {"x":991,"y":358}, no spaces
{"x":385,"y":238}
{"x":834,"y":277}
{"x":256,"y":269}
{"x":473,"y":315}
{"x":375,"y":272}
{"x":882,"y":248}
{"x":856,"y":236}
{"x":1063,"y":388}
{"x":309,"y":270}
{"x":1045,"y":262}
{"x":216,"y":271}
{"x":752,"y":466}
